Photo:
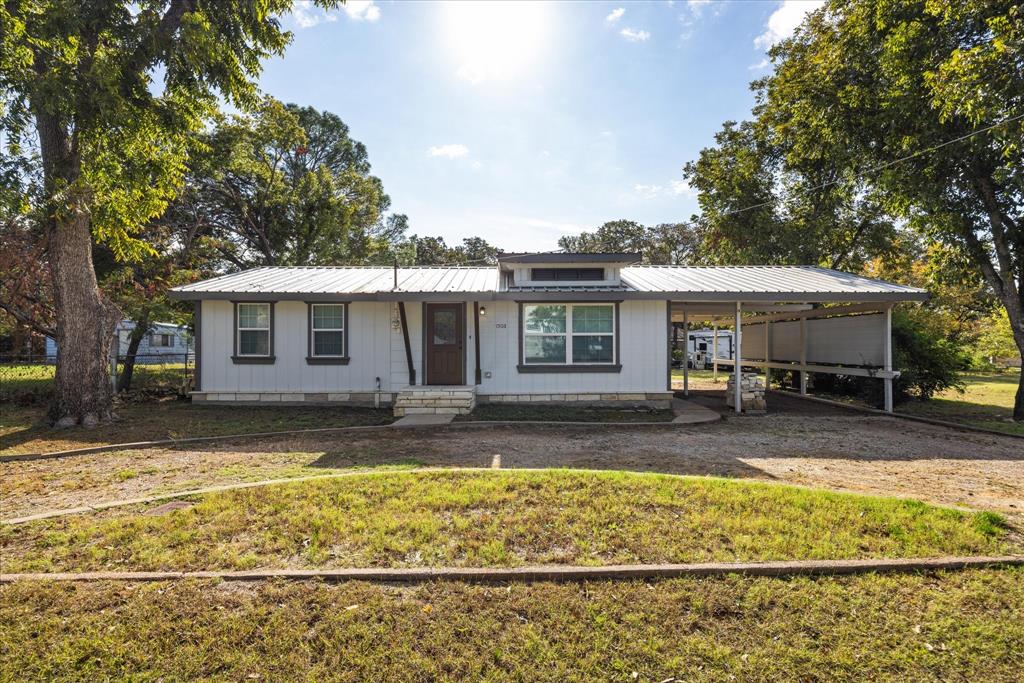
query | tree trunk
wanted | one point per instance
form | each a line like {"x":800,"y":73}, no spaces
{"x":1018,"y":401}
{"x":85,"y":328}
{"x":124,"y":380}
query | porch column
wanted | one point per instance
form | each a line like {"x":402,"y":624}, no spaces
{"x":686,"y":353}
{"x":803,"y":354}
{"x":738,"y":361}
{"x":767,"y":354}
{"x":888,"y":358}
{"x":714,"y":351}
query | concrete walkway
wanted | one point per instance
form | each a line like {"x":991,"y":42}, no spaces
{"x":422,"y":420}
{"x":688,"y":412}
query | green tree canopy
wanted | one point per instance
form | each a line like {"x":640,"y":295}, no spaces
{"x":666,"y":243}
{"x":81,"y":79}
{"x":882,"y":113}
{"x":286,"y":185}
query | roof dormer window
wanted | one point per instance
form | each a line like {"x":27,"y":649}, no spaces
{"x":566,"y":274}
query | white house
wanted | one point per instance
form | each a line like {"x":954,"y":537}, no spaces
{"x":534,"y":328}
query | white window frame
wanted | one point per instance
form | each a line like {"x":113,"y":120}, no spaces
{"x":268,"y":329}
{"x":313,"y":329}
{"x":569,"y":333}
{"x":154,"y":336}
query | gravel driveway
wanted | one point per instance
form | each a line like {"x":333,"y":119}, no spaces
{"x":800,"y":443}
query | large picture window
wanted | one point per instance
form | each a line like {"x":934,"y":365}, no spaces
{"x":253,"y":329}
{"x":569,"y":334}
{"x":327,"y":331}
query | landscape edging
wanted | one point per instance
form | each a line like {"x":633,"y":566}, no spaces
{"x":552,"y":572}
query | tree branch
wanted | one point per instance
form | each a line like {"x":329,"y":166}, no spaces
{"x":27,"y":320}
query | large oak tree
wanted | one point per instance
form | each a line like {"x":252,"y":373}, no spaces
{"x":112,"y":91}
{"x":911,"y":109}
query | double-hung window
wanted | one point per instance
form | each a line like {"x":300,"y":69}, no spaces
{"x":253,"y":331}
{"x":569,"y":335}
{"x":327,"y":338}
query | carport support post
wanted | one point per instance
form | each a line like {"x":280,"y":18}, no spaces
{"x":686,"y":353}
{"x":888,"y":359}
{"x":803,"y":354}
{"x":738,"y":361}
{"x":714,"y":351}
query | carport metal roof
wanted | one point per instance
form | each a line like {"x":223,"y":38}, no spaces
{"x":681,"y":283}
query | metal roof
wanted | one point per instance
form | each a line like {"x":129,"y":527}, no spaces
{"x":783,"y":280}
{"x":348,"y":280}
{"x":681,"y":283}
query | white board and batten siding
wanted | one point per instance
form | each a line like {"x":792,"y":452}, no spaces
{"x":377,"y":350}
{"x":848,"y":340}
{"x":369,"y":352}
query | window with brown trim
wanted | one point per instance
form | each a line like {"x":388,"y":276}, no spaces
{"x":580,"y":337}
{"x":328,"y":333}
{"x":254,"y":332}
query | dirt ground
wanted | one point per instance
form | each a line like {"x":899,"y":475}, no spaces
{"x":799,"y":442}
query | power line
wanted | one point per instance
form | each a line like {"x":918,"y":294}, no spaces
{"x":882,"y":167}
{"x":822,"y":186}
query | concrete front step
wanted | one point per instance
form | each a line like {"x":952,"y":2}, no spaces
{"x":435,"y":400}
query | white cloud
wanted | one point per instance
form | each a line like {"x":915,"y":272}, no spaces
{"x":648,"y":191}
{"x":681,"y":187}
{"x":362,"y":10}
{"x":306,"y":14}
{"x":783,"y":21}
{"x":615,"y":15}
{"x":634,"y":36}
{"x":449,"y":151}
{"x":674,"y":188}
{"x":697,"y":6}
{"x":695,"y":12}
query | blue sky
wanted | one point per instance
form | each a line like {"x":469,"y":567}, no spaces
{"x":519,"y":123}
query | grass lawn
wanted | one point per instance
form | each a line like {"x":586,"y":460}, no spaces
{"x":22,"y":432}
{"x":935,"y":626}
{"x":987,"y":401}
{"x":27,"y":383}
{"x":496,"y":518}
{"x":565,"y":413}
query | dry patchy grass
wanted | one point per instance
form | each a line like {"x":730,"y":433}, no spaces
{"x":941,"y":626}
{"x":500,"y":518}
{"x":21,"y":430}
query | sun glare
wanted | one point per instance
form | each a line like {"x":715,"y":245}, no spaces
{"x":492,"y":41}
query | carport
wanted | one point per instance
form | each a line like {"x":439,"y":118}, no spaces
{"x":799,"y":318}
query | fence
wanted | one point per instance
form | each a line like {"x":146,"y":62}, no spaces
{"x":29,"y":379}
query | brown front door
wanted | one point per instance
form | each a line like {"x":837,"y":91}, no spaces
{"x":445,"y":335}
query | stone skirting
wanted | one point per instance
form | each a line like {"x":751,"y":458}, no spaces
{"x":359,"y":398}
{"x":659,"y":399}
{"x":429,"y":400}
{"x":435,"y":400}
